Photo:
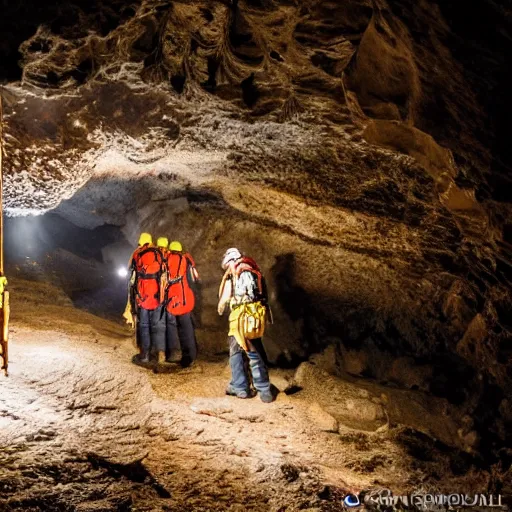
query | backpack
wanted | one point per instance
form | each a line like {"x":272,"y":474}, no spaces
{"x":180,"y":297}
{"x":149,"y":267}
{"x":253,"y":316}
{"x":252,"y":320}
{"x":248,"y":264}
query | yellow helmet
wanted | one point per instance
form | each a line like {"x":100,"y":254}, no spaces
{"x":162,"y":242}
{"x":145,"y":238}
{"x":175,"y":246}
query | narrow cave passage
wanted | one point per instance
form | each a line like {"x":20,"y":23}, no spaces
{"x":83,"y":263}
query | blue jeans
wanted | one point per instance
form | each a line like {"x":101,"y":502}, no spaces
{"x":151,"y":329}
{"x":239,"y":374}
{"x":180,"y":333}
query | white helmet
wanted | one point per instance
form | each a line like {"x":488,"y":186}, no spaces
{"x":230,"y":255}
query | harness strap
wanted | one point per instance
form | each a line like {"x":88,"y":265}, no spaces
{"x":143,"y":275}
{"x":154,"y":250}
{"x":223,"y":283}
{"x":183,"y":280}
{"x":179,"y":279}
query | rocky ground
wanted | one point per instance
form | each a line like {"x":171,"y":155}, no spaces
{"x":82,"y":428}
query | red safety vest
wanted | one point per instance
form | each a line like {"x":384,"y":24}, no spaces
{"x":149,"y":264}
{"x":180,"y":296}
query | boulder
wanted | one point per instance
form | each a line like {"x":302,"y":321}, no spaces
{"x":322,"y":419}
{"x":371,"y":406}
{"x":345,"y":402}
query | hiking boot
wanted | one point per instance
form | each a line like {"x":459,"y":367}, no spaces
{"x":240,"y":394}
{"x":174,"y":357}
{"x":186,"y":362}
{"x":143,"y":358}
{"x":161,"y":357}
{"x":266,"y":397}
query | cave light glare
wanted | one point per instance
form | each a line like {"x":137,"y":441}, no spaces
{"x":122,"y":272}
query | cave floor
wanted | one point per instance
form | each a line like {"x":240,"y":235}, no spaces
{"x":83,"y":428}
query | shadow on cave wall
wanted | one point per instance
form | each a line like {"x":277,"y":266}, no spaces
{"x":365,"y":346}
{"x":295,"y":303}
{"x":380,"y":354}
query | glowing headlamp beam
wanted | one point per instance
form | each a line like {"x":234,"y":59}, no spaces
{"x":122,"y":272}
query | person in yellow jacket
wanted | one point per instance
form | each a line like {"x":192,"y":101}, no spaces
{"x":242,"y":289}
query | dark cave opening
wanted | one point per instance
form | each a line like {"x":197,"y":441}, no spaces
{"x":250,"y":93}
{"x":84,"y":263}
{"x":178,"y":82}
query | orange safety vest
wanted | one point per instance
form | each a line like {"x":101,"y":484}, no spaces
{"x":149,"y":265}
{"x":180,"y":297}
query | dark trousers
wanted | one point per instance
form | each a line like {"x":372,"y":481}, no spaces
{"x":151,"y":329}
{"x":180,"y":334}
{"x":239,"y":377}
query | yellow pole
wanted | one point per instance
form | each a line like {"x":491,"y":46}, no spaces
{"x":1,"y":192}
{"x":5,"y":308}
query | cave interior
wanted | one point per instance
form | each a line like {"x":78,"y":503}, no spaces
{"x":358,"y":151}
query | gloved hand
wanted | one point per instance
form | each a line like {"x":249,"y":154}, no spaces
{"x":220,"y":308}
{"x":128,"y":316}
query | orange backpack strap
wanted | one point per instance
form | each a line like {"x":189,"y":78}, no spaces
{"x":142,"y":275}
{"x":182,"y":275}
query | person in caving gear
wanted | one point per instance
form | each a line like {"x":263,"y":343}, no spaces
{"x":179,"y":302}
{"x":147,"y":284}
{"x":162,"y":244}
{"x":243,"y":288}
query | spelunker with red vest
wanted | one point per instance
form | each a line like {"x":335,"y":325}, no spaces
{"x":179,"y":302}
{"x":243,"y":288}
{"x":148,"y":275}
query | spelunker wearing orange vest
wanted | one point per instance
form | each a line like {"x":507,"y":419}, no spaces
{"x":148,"y":274}
{"x":180,"y":300}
